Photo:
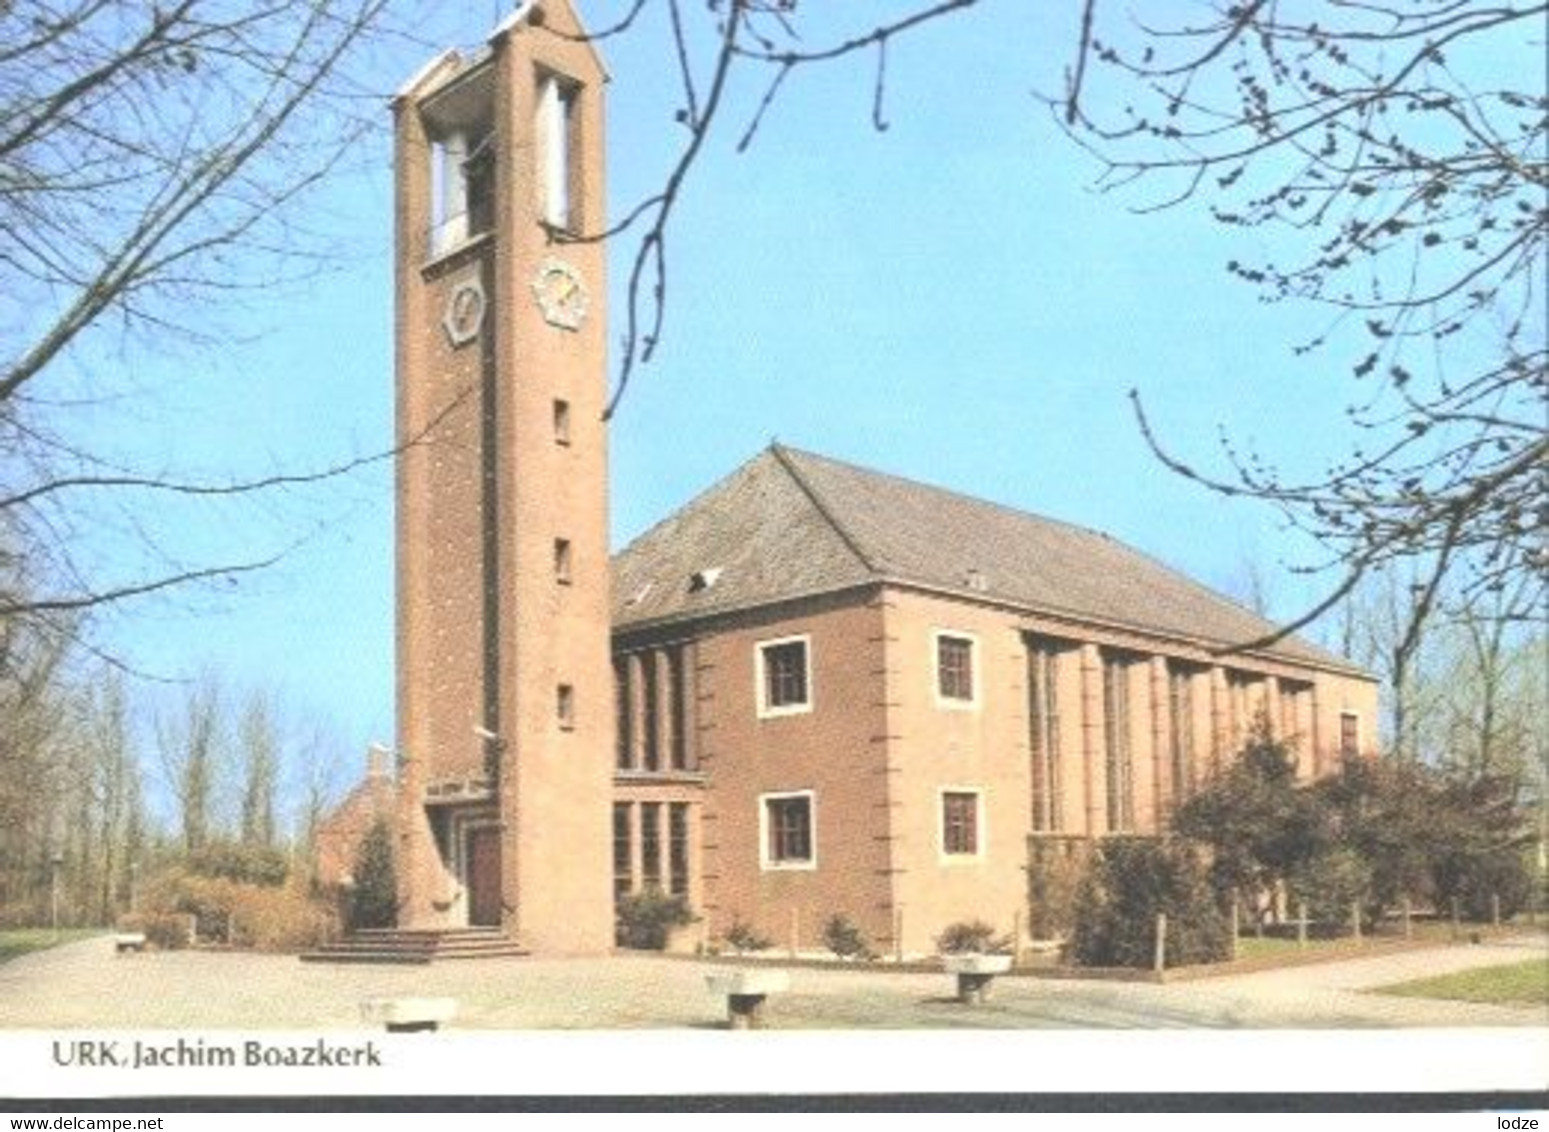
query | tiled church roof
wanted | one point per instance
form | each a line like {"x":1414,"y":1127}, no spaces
{"x":790,"y":524}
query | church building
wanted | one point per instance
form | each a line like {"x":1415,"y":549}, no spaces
{"x":845,"y":693}
{"x":816,"y":690}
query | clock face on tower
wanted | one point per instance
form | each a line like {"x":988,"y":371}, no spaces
{"x":464,"y":314}
{"x":561,"y":294}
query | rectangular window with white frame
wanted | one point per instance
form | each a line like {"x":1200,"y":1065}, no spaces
{"x":956,"y":661}
{"x":962,"y":824}
{"x":787,"y":830}
{"x":784,"y":676}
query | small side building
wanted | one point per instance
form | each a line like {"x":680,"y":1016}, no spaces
{"x":336,"y":845}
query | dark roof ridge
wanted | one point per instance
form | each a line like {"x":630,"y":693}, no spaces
{"x":783,"y":456}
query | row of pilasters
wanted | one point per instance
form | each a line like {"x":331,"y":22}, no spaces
{"x":653,"y":692}
{"x":1223,"y":706}
{"x":645,"y":860}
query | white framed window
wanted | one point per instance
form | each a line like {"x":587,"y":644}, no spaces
{"x":787,"y":830}
{"x":955,"y":668}
{"x":783,"y":671}
{"x":962,"y":823}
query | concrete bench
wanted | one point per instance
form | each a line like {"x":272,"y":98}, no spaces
{"x":745,"y":993}
{"x":975,"y":974}
{"x":408,"y":1015}
{"x":128,"y":941}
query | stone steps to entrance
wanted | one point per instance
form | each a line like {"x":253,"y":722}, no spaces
{"x":415,"y":945}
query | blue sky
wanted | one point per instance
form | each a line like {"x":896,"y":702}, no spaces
{"x":947,"y":300}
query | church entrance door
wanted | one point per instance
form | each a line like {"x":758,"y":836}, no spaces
{"x":484,"y":876}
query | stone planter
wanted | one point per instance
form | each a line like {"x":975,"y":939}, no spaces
{"x":745,"y":992}
{"x":408,"y":1015}
{"x":975,"y":974}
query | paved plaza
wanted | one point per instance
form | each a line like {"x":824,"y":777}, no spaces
{"x":85,"y":984}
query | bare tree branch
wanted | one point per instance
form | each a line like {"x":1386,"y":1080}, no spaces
{"x":1404,"y":155}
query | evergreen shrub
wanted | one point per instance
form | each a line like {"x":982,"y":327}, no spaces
{"x":644,"y":920}
{"x":1130,"y":881}
{"x":742,"y":937}
{"x":972,"y":937}
{"x":373,"y":901}
{"x":844,"y":939}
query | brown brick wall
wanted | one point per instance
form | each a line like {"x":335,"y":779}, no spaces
{"x":880,"y":747}
{"x":938,"y":744}
{"x":339,"y":836}
{"x":558,"y":780}
{"x":836,"y":751}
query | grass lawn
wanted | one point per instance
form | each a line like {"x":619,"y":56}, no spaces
{"x":1513,"y":984}
{"x":1282,"y":946}
{"x":20,"y":941}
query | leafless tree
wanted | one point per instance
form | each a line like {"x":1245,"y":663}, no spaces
{"x":190,"y":743}
{"x":69,"y":781}
{"x":151,"y":158}
{"x":1378,"y":613}
{"x":114,"y":795}
{"x":33,"y":714}
{"x":1395,"y":152}
{"x":317,"y":779}
{"x":1398,"y":146}
{"x":1467,"y":695}
{"x":1493,"y":693}
{"x":258,"y":749}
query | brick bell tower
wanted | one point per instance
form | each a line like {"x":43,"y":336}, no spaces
{"x":504,"y":682}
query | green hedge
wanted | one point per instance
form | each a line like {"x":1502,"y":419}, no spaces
{"x":1130,"y":881}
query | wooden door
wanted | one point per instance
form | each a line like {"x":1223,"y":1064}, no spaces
{"x":484,"y":876}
